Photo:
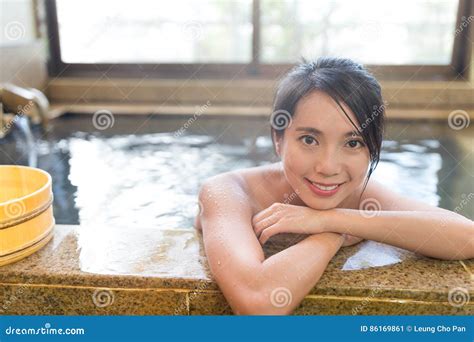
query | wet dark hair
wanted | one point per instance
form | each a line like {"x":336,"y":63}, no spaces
{"x":345,"y":81}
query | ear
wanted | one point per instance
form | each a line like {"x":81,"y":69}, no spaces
{"x":277,"y":141}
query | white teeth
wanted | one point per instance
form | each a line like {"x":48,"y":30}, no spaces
{"x":326,"y":188}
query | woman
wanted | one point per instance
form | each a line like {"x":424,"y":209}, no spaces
{"x":327,"y":128}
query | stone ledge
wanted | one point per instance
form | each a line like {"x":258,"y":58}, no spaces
{"x":154,"y":272}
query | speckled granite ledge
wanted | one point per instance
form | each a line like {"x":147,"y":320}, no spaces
{"x":109,"y":270}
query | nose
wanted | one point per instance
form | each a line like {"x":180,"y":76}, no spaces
{"x":328,"y":163}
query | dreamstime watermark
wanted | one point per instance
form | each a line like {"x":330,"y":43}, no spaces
{"x":458,"y":297}
{"x":21,"y":111}
{"x":200,"y":209}
{"x":281,"y":297}
{"x":280,"y":119}
{"x":46,"y":330}
{"x":16,"y":295}
{"x":464,"y":24}
{"x":14,"y":30}
{"x":195,"y":210}
{"x":376,"y":111}
{"x":370,"y":207}
{"x":370,"y":30}
{"x":365,"y":301}
{"x":289,"y":198}
{"x":199,"y":111}
{"x":458,"y":119}
{"x":103,"y":119}
{"x":103,"y":297}
{"x":15,"y":209}
{"x":192,"y":30}
{"x":184,"y":307}
{"x":465,"y":200}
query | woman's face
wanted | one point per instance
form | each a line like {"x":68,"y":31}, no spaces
{"x":324,"y":158}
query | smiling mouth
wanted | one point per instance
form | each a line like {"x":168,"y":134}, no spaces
{"x":322,"y":188}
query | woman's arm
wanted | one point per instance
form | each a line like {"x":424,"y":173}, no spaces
{"x":389,"y":218}
{"x":407,"y":223}
{"x":432,"y":233}
{"x":251,"y":284}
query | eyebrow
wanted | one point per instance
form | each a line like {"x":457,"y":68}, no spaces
{"x":316,"y":131}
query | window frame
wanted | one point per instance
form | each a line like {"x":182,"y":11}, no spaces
{"x":458,"y":69}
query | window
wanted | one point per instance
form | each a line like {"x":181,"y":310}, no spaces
{"x":257,"y":38}
{"x":373,"y":32}
{"x":159,"y":31}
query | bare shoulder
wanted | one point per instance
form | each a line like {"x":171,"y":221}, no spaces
{"x":252,"y":184}
{"x":232,"y":183}
{"x":225,"y":219}
{"x":223,"y":193}
{"x":241,"y":192}
{"x":387,"y":199}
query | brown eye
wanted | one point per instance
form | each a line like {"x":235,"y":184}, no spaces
{"x":354,"y":144}
{"x":308,"y":140}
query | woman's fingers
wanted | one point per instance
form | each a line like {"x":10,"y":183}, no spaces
{"x":266,"y":212}
{"x":268,"y":233}
{"x":260,"y":216}
{"x":266,"y":217}
{"x":264,"y":223}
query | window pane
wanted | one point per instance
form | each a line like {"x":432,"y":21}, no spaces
{"x":141,"y":31}
{"x":371,"y":31}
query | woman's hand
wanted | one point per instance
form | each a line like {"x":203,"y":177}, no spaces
{"x":287,"y":218}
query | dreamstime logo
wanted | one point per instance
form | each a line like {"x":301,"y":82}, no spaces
{"x":458,"y":297}
{"x":183,"y":308}
{"x":281,"y":297}
{"x":15,"y":209}
{"x":195,"y":209}
{"x":465,"y":200}
{"x":14,"y":30}
{"x":280,"y":119}
{"x":464,"y":23}
{"x":366,"y":301}
{"x":376,"y":111}
{"x":103,"y":119}
{"x":370,"y":207}
{"x":200,"y":209}
{"x":371,"y":30}
{"x":16,"y":294}
{"x":21,"y":111}
{"x":290,"y":197}
{"x":192,"y":30}
{"x":103,"y":297}
{"x":458,"y":119}
{"x":199,"y":111}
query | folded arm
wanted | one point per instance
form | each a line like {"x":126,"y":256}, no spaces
{"x":383,"y":216}
{"x":432,"y":233}
{"x":251,"y":284}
